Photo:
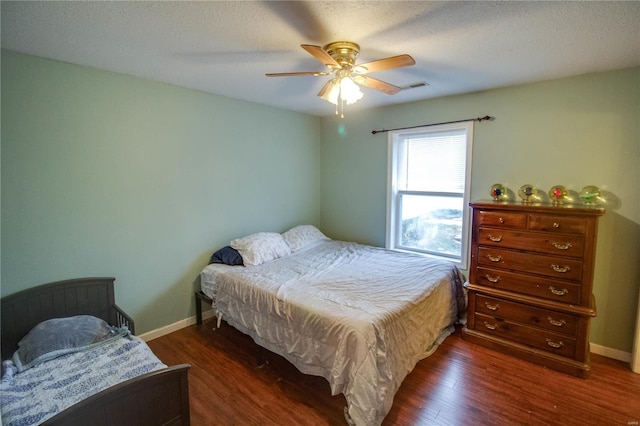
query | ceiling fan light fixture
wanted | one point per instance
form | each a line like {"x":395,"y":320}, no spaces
{"x":349,"y":91}
{"x":342,"y":90}
{"x":333,"y":92}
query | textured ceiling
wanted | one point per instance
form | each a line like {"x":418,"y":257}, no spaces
{"x":226,"y":47}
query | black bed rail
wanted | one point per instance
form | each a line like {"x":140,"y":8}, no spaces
{"x":157,"y":398}
{"x":122,"y":319}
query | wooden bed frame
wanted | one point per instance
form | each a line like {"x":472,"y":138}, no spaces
{"x":157,"y":398}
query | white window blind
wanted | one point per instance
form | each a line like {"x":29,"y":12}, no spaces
{"x":433,"y":162}
{"x":428,"y":173}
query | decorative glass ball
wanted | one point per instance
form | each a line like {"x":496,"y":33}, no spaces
{"x":557,"y":194}
{"x":589,"y":194}
{"x":498,"y":191}
{"x":527,"y":192}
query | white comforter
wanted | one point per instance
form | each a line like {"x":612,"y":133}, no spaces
{"x":357,"y":315}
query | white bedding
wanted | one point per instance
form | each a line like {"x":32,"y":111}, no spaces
{"x":357,"y":315}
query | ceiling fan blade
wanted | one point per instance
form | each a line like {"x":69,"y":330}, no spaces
{"x":325,"y":88}
{"x":384,"y":64}
{"x":295,"y":74}
{"x":321,"y":55}
{"x":376,"y":84}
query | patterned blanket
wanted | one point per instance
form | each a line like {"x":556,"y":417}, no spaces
{"x":39,"y":393}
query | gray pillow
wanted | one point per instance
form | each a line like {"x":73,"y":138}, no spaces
{"x":226,"y":255}
{"x":60,"y":336}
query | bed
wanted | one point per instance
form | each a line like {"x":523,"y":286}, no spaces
{"x":357,"y":315}
{"x":116,"y":381}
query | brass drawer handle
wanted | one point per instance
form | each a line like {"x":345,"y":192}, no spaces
{"x":553,"y":344}
{"x":492,"y":307}
{"x":490,"y":326}
{"x":492,"y":279}
{"x":557,"y":323}
{"x":495,"y":239}
{"x":501,"y":220}
{"x":494,"y":258}
{"x":556,"y":225}
{"x":561,"y":246}
{"x":559,"y":268}
{"x":557,"y":292}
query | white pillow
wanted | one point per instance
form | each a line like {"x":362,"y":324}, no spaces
{"x":256,"y":249}
{"x":302,"y":235}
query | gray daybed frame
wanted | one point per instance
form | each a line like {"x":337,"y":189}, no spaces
{"x":153,"y":399}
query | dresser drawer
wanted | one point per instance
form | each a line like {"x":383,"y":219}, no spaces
{"x":560,"y":291}
{"x":502,"y":219}
{"x":559,"y":224}
{"x":537,"y":317}
{"x":564,"y":245}
{"x":532,"y":336}
{"x":551,"y":266}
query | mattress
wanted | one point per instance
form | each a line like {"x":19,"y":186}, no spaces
{"x":357,"y":315}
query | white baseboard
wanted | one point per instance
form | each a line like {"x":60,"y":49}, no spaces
{"x":159,"y":332}
{"x":610,"y":353}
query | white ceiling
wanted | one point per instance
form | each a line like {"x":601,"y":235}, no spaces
{"x":226,"y":47}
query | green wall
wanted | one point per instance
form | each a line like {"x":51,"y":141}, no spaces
{"x":105,"y":174}
{"x":110,"y":175}
{"x":574,"y":132}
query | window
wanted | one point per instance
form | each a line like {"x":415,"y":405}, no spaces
{"x":428,"y":190}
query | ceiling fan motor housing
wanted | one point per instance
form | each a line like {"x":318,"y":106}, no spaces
{"x":344,"y":52}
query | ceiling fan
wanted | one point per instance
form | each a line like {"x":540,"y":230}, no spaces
{"x":340,"y":58}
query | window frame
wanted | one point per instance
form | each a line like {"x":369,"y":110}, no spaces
{"x":394,"y":195}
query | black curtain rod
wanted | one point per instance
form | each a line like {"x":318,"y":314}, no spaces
{"x":486,"y":117}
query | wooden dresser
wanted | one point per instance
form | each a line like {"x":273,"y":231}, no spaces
{"x":530,"y":282}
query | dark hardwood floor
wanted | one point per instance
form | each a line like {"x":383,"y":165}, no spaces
{"x":460,"y":384}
